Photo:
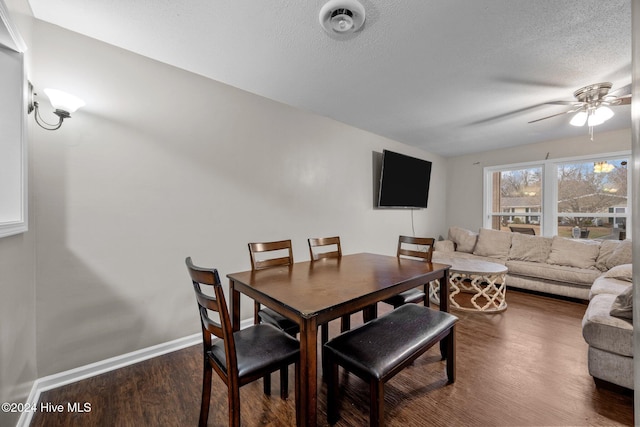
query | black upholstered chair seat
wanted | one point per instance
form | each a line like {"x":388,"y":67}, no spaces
{"x":412,"y":296}
{"x":386,"y":341}
{"x":276,"y":319}
{"x":257,"y":348}
{"x":423,"y":251}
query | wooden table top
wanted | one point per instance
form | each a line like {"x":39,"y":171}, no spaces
{"x":312,"y":287}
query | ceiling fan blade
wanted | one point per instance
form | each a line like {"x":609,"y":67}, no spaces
{"x":624,"y":100}
{"x":612,"y":101}
{"x":548,"y":117}
{"x":621,"y":91}
{"x":573,"y":103}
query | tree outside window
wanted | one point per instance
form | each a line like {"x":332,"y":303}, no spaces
{"x":517,"y":198}
{"x":584,"y":197}
{"x":593,"y":197}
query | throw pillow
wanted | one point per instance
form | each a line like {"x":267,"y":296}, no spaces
{"x":606,"y":249}
{"x":620,"y":255}
{"x":621,"y":272}
{"x":493,"y":243}
{"x":529,"y":248}
{"x":574,"y":253}
{"x":612,"y":253}
{"x":623,"y":305}
{"x":465,"y":240}
{"x":444,"y":246}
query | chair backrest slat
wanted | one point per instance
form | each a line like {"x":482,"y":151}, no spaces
{"x":265,"y":247}
{"x":318,"y":242}
{"x":424,"y":248}
{"x":216,"y":303}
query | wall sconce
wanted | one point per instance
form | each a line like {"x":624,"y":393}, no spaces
{"x":63,"y":103}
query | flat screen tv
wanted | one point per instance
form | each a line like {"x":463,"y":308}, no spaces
{"x":404,"y":181}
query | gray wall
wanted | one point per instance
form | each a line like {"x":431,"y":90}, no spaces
{"x":17,"y":320}
{"x":162,"y":164}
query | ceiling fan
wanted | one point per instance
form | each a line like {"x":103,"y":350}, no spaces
{"x":591,"y":106}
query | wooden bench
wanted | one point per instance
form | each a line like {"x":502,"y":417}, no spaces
{"x":381,"y":348}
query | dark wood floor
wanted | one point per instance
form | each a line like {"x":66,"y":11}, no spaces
{"x":524,"y":367}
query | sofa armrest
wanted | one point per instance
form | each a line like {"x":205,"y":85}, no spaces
{"x":444,"y":246}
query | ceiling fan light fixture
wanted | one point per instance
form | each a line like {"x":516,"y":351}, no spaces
{"x":342,"y":16}
{"x":603,"y":113}
{"x":603,"y":167}
{"x":579,"y":119}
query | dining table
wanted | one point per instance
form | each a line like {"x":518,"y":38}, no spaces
{"x":312,"y":293}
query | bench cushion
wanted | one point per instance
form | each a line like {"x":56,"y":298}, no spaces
{"x":377,"y":347}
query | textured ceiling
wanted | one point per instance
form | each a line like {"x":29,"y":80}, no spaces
{"x":452,"y":77}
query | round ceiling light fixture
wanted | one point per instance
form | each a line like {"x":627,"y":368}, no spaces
{"x":342,"y":16}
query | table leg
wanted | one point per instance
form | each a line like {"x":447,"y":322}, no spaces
{"x":444,"y":306}
{"x":444,"y":291}
{"x":369,"y":313}
{"x":308,"y":383}
{"x":235,"y":306}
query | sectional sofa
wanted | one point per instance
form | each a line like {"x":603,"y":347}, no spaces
{"x":607,"y":327}
{"x":553,"y":265}
{"x":595,"y":270}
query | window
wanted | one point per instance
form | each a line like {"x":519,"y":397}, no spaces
{"x":516,"y":198}
{"x":13,"y":111}
{"x":592,"y":197}
{"x":584,"y":197}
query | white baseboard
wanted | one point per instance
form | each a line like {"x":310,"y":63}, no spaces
{"x":97,"y":368}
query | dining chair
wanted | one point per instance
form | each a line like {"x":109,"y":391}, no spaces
{"x":265,"y":255}
{"x":523,"y":230}
{"x":423,"y":251}
{"x":318,"y":251}
{"x":316,"y":254}
{"x":237,"y":357}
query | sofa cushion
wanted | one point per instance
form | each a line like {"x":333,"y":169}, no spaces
{"x":612,"y":253}
{"x":529,"y":248}
{"x":574,"y":253}
{"x":444,"y":246}
{"x":465,"y":240}
{"x":606,"y":250}
{"x":493,"y":243}
{"x":608,"y":285}
{"x":606,"y":332}
{"x":621,"y":272}
{"x":622,"y":306}
{"x":557,"y":273}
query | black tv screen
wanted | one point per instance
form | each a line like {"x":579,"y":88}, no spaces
{"x":404,"y":181}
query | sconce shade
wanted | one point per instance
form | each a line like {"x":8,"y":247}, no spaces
{"x":63,"y":101}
